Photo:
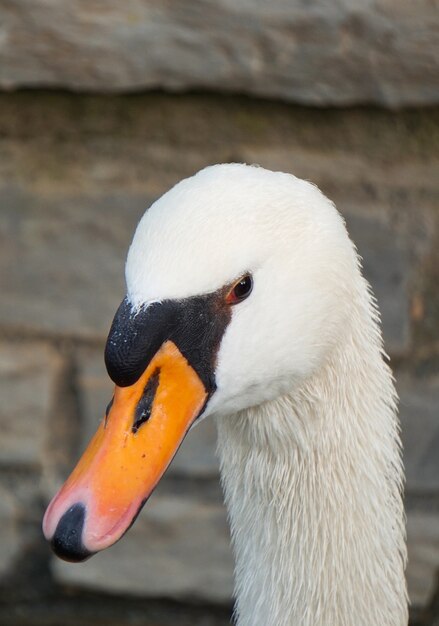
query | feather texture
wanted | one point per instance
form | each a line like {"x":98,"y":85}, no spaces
{"x":305,"y":403}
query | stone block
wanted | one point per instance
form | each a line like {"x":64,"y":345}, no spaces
{"x":63,"y":263}
{"x":20,"y":521}
{"x":423,"y":555}
{"x":196,"y":456}
{"x":419,"y":414}
{"x":386,"y":266}
{"x":11,"y":540}
{"x":381,"y":52}
{"x":29,"y":375}
{"x":178,"y":547}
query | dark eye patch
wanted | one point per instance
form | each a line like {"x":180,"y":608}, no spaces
{"x":144,"y":406}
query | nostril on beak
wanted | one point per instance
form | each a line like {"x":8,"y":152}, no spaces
{"x":67,"y":540}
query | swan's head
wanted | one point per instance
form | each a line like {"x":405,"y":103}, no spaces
{"x":239,"y":285}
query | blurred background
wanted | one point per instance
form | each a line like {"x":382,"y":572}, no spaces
{"x":103,"y":106}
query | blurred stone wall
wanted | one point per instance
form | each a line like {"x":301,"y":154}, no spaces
{"x":76,"y":174}
{"x":325,"y":53}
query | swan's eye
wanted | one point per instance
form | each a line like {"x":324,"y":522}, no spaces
{"x":241,"y":290}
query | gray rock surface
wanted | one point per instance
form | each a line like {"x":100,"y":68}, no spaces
{"x":65,"y":261}
{"x":324,"y":53}
{"x":423,"y":553}
{"x":386,"y":266}
{"x":11,"y":541}
{"x":20,"y":523}
{"x":419,"y":414}
{"x":28,"y":379}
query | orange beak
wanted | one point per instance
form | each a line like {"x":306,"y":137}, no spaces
{"x":126,"y":458}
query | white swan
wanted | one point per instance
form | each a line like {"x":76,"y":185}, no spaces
{"x":246,"y":303}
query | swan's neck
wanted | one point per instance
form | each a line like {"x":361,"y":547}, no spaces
{"x":313,"y":488}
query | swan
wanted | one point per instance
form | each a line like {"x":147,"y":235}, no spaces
{"x":246,"y":303}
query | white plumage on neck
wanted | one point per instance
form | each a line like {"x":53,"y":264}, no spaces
{"x":313,"y":482}
{"x":305,"y":404}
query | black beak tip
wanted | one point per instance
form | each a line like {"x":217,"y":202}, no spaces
{"x":67,"y":540}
